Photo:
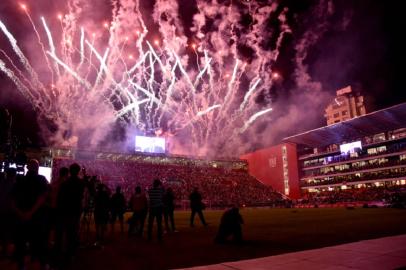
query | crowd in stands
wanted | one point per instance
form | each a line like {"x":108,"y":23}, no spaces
{"x":387,"y":195}
{"x":219,"y":187}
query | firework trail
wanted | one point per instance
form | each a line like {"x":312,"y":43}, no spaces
{"x":191,"y":88}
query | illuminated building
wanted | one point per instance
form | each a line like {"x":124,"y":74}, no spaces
{"x":363,"y":152}
{"x":346,"y":105}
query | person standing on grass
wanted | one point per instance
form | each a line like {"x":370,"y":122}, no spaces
{"x":28,"y":197}
{"x":156,"y":194}
{"x":7,"y":182}
{"x":139,"y":205}
{"x":197,"y":206}
{"x":169,"y":208}
{"x":69,"y":210}
{"x":53,"y":200}
{"x":118,"y":208}
{"x":101,"y":212}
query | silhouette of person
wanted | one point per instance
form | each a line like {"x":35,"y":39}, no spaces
{"x":139,"y":206}
{"x":53,"y":195}
{"x":197,"y":206}
{"x":7,"y":181}
{"x":69,"y":208}
{"x":28,"y":202}
{"x":156,"y":204}
{"x":169,"y":208}
{"x":101,"y":212}
{"x":54,"y":215}
{"x":230,"y":225}
{"x":118,"y":207}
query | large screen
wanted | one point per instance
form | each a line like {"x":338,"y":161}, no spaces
{"x":149,"y":144}
{"x":45,"y":171}
{"x":350,"y":147}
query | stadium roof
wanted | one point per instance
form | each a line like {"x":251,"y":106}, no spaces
{"x":376,"y":122}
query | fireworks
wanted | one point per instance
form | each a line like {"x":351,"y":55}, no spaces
{"x":193,"y":92}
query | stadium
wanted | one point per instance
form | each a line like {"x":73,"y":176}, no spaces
{"x":343,"y":162}
{"x":368,"y":173}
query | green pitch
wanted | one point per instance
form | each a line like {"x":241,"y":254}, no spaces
{"x":266,"y":231}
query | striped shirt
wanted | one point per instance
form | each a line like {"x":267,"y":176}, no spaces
{"x":156,"y":197}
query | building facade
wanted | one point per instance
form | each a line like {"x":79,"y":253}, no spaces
{"x":276,"y":166}
{"x":372,"y":161}
{"x":346,"y":105}
{"x":364,"y":152}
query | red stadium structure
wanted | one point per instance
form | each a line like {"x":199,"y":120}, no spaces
{"x":276,"y":166}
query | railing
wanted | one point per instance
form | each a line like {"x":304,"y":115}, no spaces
{"x":310,"y":155}
{"x":355,"y":180}
{"x":366,"y":156}
{"x":361,"y":169}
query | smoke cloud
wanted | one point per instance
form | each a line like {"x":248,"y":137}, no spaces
{"x":124,"y":68}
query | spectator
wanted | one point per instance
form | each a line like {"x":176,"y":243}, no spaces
{"x":53,"y":198}
{"x":118,"y":208}
{"x":101,"y":212}
{"x":230,"y":225}
{"x":197,"y":206}
{"x":69,"y":208}
{"x":28,"y":201}
{"x":139,"y":206}
{"x":169,"y":208}
{"x":155,"y":208}
{"x":6,"y":184}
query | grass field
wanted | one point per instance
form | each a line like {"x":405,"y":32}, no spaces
{"x":267,"y":232}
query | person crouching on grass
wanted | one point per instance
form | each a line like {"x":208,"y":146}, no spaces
{"x":230,"y":225}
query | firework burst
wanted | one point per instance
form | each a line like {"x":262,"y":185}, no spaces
{"x":201,"y":93}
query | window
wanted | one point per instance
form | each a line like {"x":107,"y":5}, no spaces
{"x":353,"y":155}
{"x":382,"y":160}
{"x":343,"y":113}
{"x":379,"y":137}
{"x":399,"y":133}
{"x":336,"y":115}
{"x":371,"y":151}
{"x":381,"y":149}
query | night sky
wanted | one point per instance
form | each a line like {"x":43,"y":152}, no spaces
{"x":362,"y":46}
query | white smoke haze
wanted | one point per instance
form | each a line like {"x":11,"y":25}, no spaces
{"x":200,"y":90}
